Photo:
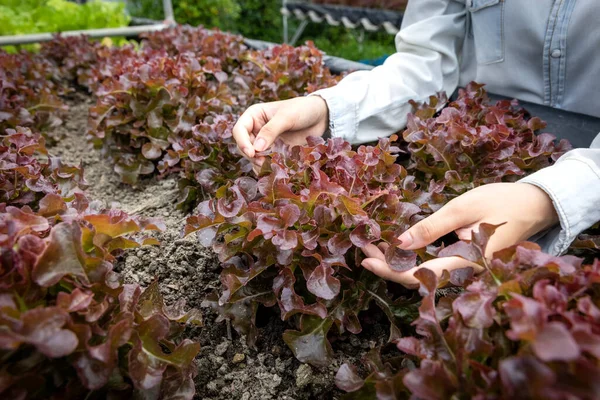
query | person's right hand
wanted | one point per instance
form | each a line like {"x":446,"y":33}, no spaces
{"x":293,"y":120}
{"x":520,"y":209}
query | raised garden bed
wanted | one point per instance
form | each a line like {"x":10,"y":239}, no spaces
{"x":159,"y":119}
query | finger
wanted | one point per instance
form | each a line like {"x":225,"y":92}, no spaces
{"x":407,"y":278}
{"x":383,"y":246}
{"x":454,"y":215}
{"x":465,"y":233}
{"x":242,"y":130}
{"x":257,"y":163}
{"x":259,"y":160}
{"x":279,"y":124}
{"x":438,"y":265}
{"x":441,"y":264}
{"x":373,"y":251}
{"x":381,"y":268}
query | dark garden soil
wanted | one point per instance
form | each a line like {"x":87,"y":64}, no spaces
{"x":227,"y":367}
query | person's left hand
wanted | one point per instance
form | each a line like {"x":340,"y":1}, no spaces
{"x":524,"y":208}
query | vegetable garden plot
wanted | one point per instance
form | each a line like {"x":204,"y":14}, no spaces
{"x":286,"y":240}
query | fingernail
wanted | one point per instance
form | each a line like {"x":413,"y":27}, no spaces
{"x":260,"y":144}
{"x":246,"y":151}
{"x":406,"y":239}
{"x":366,"y":264}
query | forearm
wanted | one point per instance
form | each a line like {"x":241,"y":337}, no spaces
{"x":370,"y":104}
{"x":573,"y":184}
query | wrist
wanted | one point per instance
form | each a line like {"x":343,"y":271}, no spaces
{"x":542,"y":207}
{"x":322,"y":110}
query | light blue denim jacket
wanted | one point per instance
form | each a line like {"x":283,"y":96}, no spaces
{"x":542,"y":51}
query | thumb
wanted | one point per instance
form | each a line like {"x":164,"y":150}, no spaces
{"x":279,"y":124}
{"x":447,"y":219}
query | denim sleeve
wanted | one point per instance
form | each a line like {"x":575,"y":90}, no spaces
{"x":573,"y":184}
{"x":367,"y":105}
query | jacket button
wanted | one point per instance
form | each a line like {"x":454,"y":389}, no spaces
{"x":556,"y":53}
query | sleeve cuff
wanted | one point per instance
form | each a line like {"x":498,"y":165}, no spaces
{"x":343,"y":115}
{"x":574,"y":187}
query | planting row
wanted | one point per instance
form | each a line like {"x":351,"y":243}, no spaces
{"x":70,"y":327}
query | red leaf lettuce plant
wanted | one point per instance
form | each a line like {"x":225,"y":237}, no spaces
{"x":284,"y":72}
{"x":204,"y":43}
{"x":69,"y":328}
{"x":148,"y":108}
{"x":472,"y":142}
{"x":209,"y":157}
{"x":175,"y":111}
{"x":587,"y":244}
{"x":25,"y":178}
{"x":85,"y":63}
{"x":29,"y":92}
{"x":528,"y":327}
{"x":292,"y":238}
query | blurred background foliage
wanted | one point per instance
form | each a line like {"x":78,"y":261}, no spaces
{"x":261,"y":19}
{"x":255,"y":19}
{"x":19,"y":17}
{"x":35,"y":16}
